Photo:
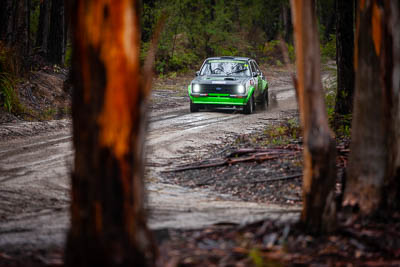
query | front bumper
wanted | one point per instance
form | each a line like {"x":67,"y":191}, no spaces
{"x":219,"y":99}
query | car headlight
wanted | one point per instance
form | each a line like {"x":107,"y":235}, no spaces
{"x":196,"y":88}
{"x":241,"y":89}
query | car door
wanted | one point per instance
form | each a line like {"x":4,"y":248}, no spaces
{"x":261,"y":76}
{"x":257,"y":81}
{"x":262,"y":81}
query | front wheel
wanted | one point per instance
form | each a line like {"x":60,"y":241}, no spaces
{"x":248,"y":109}
{"x":194,"y":107}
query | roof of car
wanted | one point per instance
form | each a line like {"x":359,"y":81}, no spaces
{"x":233,"y":58}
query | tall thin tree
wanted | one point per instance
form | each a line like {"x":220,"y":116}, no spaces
{"x":56,"y":42}
{"x":108,"y":220}
{"x":344,"y":57}
{"x":42,"y":34}
{"x":319,"y":175}
{"x":374,"y":162}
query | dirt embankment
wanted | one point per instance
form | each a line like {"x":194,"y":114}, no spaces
{"x":44,"y":95}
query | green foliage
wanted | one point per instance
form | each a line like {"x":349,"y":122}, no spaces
{"x":68,"y":55}
{"x":326,"y":15}
{"x":196,"y":29}
{"x":343,"y":128}
{"x":292,"y":54}
{"x":8,"y":98}
{"x":340,"y":124}
{"x":7,"y":93}
{"x":48,"y":114}
{"x":34,"y":18}
{"x":256,"y":258}
{"x":283,"y":133}
{"x":328,"y":50}
{"x":330,"y":100}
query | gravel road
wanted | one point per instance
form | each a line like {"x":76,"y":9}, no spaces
{"x":36,"y":159}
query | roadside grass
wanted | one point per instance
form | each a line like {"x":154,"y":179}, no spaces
{"x":48,"y":114}
{"x":8,"y":96}
{"x":282,"y":134}
{"x":276,"y":134}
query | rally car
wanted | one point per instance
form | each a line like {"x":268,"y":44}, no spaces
{"x":235,"y":82}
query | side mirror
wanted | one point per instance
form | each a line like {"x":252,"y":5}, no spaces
{"x":197,"y":73}
{"x":255,"y":74}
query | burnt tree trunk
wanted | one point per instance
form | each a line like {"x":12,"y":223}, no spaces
{"x":5,"y":14}
{"x":56,"y":48}
{"x":391,"y":199}
{"x":373,"y":171}
{"x":344,"y":58}
{"x":319,"y":175}
{"x":19,"y":28}
{"x":44,"y":26}
{"x":108,"y":220}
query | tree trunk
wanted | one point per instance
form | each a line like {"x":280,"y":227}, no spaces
{"x":108,"y":220}
{"x":287,"y":24}
{"x":373,"y":171}
{"x":44,"y":26}
{"x":56,"y":32}
{"x":66,"y":31}
{"x":391,"y":199}
{"x":319,"y":210}
{"x":5,"y":14}
{"x":28,"y":26}
{"x":344,"y":58}
{"x":19,"y":37}
{"x":15,"y":32}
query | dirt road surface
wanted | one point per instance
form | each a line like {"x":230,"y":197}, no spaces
{"x":36,"y":159}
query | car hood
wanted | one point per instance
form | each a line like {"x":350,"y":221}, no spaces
{"x":220,"y":80}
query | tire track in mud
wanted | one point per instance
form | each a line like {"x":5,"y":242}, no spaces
{"x":34,"y":176}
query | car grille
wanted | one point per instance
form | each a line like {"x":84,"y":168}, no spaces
{"x":218,"y":88}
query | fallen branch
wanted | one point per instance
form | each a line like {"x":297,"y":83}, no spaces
{"x":256,"y":157}
{"x":277,"y":179}
{"x":243,"y":151}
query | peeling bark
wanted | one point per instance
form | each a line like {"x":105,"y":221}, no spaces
{"x":373,"y":161}
{"x":108,"y":220}
{"x":319,"y":175}
{"x":390,"y":66}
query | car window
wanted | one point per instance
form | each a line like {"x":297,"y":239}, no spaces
{"x":225,"y":67}
{"x":253,"y":68}
{"x":257,"y":67}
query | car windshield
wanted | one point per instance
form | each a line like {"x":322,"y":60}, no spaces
{"x":225,"y":68}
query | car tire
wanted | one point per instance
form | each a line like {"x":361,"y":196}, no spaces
{"x":194,"y":107}
{"x":249,"y":108}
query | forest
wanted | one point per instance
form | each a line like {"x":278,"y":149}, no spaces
{"x":103,"y":76}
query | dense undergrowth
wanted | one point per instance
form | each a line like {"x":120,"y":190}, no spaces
{"x":198,"y":29}
{"x":8,"y":79}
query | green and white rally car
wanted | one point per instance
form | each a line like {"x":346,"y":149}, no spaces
{"x":235,"y":82}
